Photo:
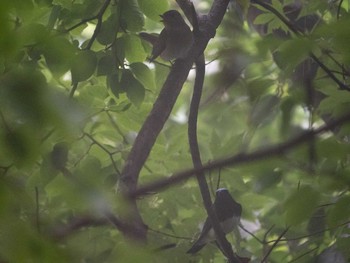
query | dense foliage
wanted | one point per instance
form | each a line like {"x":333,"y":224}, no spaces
{"x":75,"y":89}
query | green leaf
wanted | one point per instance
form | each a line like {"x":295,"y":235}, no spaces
{"x":337,"y":33}
{"x":133,"y":88}
{"x":293,"y":52}
{"x":106,"y":65}
{"x":113,"y":83}
{"x":21,"y":146}
{"x":67,"y":4}
{"x":339,"y":212}
{"x":58,"y":55}
{"x":153,"y":8}
{"x":131,"y":15}
{"x":54,"y":16}
{"x":144,"y":75}
{"x":264,"y":110}
{"x":109,"y":30}
{"x":300,"y":205}
{"x":267,"y":179}
{"x":134,"y":51}
{"x":263,"y":19}
{"x":83,"y":65}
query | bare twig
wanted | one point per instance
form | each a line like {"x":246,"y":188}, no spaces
{"x":312,"y":234}
{"x":105,"y":150}
{"x":99,"y":23}
{"x":274,"y":245}
{"x":169,"y":235}
{"x":304,"y":254}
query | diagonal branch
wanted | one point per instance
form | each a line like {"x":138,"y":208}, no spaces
{"x":274,"y":245}
{"x":273,"y":151}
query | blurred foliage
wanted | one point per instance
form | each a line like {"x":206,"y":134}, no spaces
{"x":61,"y":155}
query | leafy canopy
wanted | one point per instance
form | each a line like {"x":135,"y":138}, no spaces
{"x":75,"y":88}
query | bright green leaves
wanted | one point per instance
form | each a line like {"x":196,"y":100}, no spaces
{"x":143,"y":74}
{"x":292,"y":52}
{"x":131,"y":16}
{"x":58,"y":53}
{"x":336,"y":102}
{"x":271,"y":20}
{"x":153,"y":8}
{"x":134,"y":51}
{"x":336,"y":35}
{"x":83,"y":65}
{"x":301,"y":204}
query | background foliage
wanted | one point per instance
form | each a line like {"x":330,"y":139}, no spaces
{"x":75,"y":90}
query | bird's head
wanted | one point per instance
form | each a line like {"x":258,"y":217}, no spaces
{"x":172,"y":18}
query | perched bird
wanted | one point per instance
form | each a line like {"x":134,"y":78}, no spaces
{"x":174,"y":41}
{"x":228,"y":212}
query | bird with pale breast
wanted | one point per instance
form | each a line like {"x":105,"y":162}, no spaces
{"x":228,"y":212}
{"x":174,"y":41}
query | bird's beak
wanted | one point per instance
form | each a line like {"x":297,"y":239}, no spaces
{"x":162,"y":17}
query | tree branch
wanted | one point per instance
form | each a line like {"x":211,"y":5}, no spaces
{"x":197,"y":162}
{"x":277,"y":150}
{"x":274,"y":245}
{"x":162,"y":109}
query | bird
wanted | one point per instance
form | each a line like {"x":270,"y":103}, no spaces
{"x":228,"y":212}
{"x":174,"y":41}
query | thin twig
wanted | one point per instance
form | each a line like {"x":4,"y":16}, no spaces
{"x":250,"y":233}
{"x":99,"y":23}
{"x":169,"y":235}
{"x":304,"y":254}
{"x":104,"y":149}
{"x":312,"y":234}
{"x":81,"y":23}
{"x":274,"y":245}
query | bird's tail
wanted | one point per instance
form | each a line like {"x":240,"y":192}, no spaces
{"x":196,"y":247}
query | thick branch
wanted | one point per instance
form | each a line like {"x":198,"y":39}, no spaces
{"x":162,"y":109}
{"x":277,"y":150}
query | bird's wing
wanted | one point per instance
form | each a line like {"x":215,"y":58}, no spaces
{"x":151,"y":38}
{"x":160,"y":45}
